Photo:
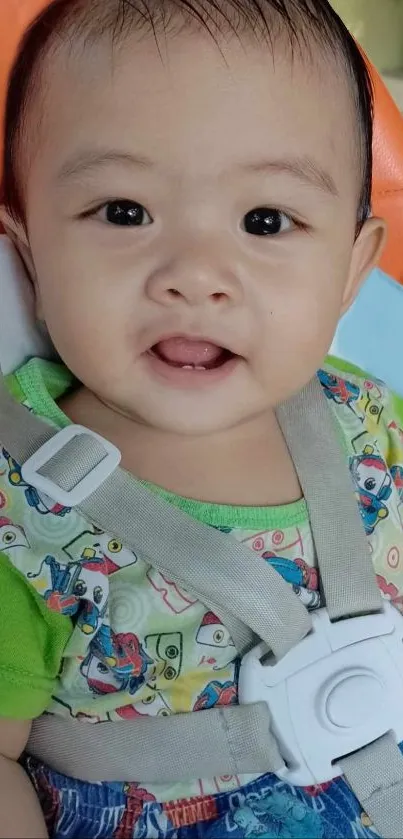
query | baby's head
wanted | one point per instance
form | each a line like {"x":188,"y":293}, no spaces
{"x":191,"y":169}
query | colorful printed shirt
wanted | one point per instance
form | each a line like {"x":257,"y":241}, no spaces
{"x":90,"y":630}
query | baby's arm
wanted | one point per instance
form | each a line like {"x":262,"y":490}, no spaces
{"x":20,"y":813}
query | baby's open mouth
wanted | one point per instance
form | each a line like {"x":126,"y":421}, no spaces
{"x":186,"y":354}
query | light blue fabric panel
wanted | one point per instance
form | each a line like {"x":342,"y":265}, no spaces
{"x":370,"y":335}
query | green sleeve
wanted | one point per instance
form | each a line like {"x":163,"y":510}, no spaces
{"x":32,"y":641}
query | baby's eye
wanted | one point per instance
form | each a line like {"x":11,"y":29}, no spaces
{"x":124,"y":213}
{"x":266,"y":221}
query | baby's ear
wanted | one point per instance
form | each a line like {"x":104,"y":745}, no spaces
{"x":15,"y":230}
{"x":367,"y":251}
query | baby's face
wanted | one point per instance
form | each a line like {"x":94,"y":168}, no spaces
{"x":188,"y":147}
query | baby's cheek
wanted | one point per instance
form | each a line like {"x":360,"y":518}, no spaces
{"x":298,"y":341}
{"x":82,"y":333}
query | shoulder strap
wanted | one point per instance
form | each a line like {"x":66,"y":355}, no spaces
{"x":346,"y":571}
{"x":199,"y":558}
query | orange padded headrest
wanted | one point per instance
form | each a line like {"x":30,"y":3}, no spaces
{"x":387,"y":192}
{"x":388,"y":138}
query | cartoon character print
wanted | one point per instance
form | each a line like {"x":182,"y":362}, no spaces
{"x":317,"y":789}
{"x":308,"y":592}
{"x":90,"y":616}
{"x":371,"y":408}
{"x":339,"y":390}
{"x":166,"y":650}
{"x":390,"y":592}
{"x":397,"y":477}
{"x":217,"y":645}
{"x":310,"y":599}
{"x":175,"y":599}
{"x":374,"y":487}
{"x":115,"y":662}
{"x":94,"y":588}
{"x":303,"y":578}
{"x":98,"y":548}
{"x":217,"y":693}
{"x":393,"y":426}
{"x":96,"y":555}
{"x":189,"y":812}
{"x":294,"y":571}
{"x":100,"y":678}
{"x":49,"y":797}
{"x":57,"y":585}
{"x":36,"y":500}
{"x":277,"y":814}
{"x":136,"y":798}
{"x":152,"y":704}
{"x":152,"y":822}
{"x":212,"y":633}
{"x":12,"y":536}
{"x":249,"y":823}
{"x":78,"y":587}
{"x":221,"y":783}
{"x":80,"y":716}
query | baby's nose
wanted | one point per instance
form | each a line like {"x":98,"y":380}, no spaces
{"x":195,"y":282}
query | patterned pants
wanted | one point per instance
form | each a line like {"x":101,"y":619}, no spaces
{"x":267,"y":807}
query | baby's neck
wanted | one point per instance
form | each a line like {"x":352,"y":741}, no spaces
{"x":247,"y":465}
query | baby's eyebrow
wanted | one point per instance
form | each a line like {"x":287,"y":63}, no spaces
{"x":306,"y":169}
{"x":85,"y":160}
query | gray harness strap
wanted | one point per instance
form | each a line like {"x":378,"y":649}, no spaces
{"x":232,"y":740}
{"x":345,"y":565}
{"x":375,"y":775}
{"x":237,"y":738}
{"x":199,"y":558}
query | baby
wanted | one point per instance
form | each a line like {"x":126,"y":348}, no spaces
{"x":188,"y":184}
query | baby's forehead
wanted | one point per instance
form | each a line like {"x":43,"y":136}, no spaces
{"x":195,"y":95}
{"x":91,"y":66}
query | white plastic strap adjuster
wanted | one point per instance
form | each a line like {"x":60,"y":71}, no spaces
{"x":87,"y":485}
{"x":338,"y":690}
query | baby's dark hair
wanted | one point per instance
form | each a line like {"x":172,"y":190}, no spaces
{"x":308,"y":24}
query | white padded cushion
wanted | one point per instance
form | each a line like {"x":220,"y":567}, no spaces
{"x":20,"y":336}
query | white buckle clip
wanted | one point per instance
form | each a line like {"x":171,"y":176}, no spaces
{"x":87,"y":485}
{"x":338,"y":690}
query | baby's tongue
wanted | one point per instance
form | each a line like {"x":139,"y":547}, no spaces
{"x":183,"y":351}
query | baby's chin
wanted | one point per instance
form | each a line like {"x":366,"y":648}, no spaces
{"x":138,"y":398}
{"x":191,"y":424}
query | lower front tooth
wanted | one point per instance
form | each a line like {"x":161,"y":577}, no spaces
{"x":199,"y":367}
